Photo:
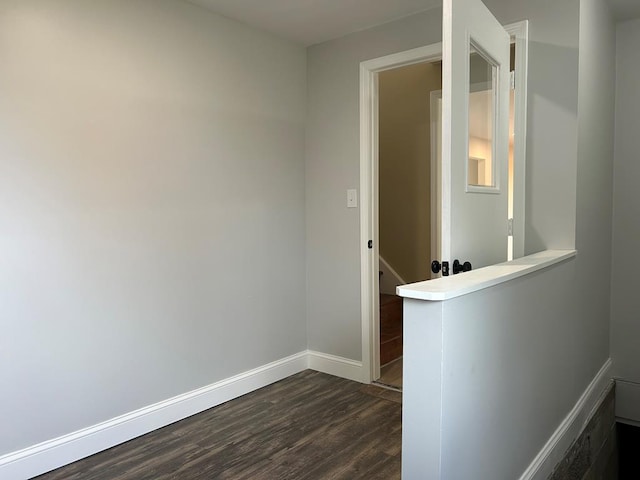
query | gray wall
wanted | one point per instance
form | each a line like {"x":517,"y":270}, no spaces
{"x":596,"y":106}
{"x":517,"y":357}
{"x":502,"y":366}
{"x":550,"y":203}
{"x":151,"y":206}
{"x":332,"y":166}
{"x":625,"y":322}
{"x":332,"y":163}
{"x":538,"y":342}
{"x":152,"y":197}
{"x":508,"y":381}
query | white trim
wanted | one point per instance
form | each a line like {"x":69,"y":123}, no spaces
{"x":66,"y":449}
{"x":428,"y":53}
{"x":334,"y":365}
{"x":445,"y":288}
{"x":396,"y":276}
{"x":627,"y":401}
{"x":370,"y":314}
{"x":626,"y":421}
{"x":368,"y":220}
{"x":571,"y":427}
{"x":435,"y":113}
{"x":519,"y":33}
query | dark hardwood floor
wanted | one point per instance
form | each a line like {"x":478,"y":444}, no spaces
{"x":308,"y":426}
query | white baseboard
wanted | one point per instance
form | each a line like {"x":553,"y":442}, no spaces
{"x":390,"y":278}
{"x":571,"y":427}
{"x":61,"y":451}
{"x":627,"y":402}
{"x":334,"y":365}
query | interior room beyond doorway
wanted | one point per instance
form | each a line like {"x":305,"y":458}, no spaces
{"x":408,"y":139}
{"x":404,"y":189}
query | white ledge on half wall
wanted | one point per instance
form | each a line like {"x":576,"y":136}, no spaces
{"x":445,"y":288}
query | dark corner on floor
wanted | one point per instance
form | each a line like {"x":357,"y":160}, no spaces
{"x":628,"y":451}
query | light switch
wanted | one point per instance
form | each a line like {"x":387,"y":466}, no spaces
{"x":352,"y":198}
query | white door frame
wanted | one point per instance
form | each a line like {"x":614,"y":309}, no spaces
{"x":519,"y":33}
{"x":369,"y":194}
{"x":370,"y":312}
{"x":435,"y":110}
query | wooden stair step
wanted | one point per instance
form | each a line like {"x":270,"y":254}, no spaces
{"x":390,"y":328}
{"x":390,"y":332}
{"x":390,"y":310}
{"x":390,"y":350}
{"x":386,"y":299}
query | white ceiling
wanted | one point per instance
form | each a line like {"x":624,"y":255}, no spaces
{"x":625,"y":9}
{"x":314,"y":21}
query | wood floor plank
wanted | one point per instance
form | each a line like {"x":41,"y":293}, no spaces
{"x":391,"y":374}
{"x":308,"y":426}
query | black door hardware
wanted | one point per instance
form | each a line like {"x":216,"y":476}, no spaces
{"x":436,"y":266}
{"x":461,"y":267}
{"x":458,"y":267}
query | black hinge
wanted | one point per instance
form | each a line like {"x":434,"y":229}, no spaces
{"x":370,"y":244}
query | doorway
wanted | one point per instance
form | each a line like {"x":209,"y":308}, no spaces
{"x":404,"y":196}
{"x":369,"y":180}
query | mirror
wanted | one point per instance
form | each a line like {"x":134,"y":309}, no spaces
{"x":482,"y":99}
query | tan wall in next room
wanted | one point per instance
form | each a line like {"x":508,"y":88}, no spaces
{"x":404,"y":156}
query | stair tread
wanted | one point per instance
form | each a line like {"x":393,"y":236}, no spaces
{"x":390,"y":328}
{"x":390,"y":310}
{"x":389,"y":339}
{"x":387,"y":332}
{"x":390,"y":350}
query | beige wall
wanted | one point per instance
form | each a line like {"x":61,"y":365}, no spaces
{"x":405,"y":151}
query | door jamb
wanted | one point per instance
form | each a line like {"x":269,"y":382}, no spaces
{"x":369,"y":194}
{"x":369,"y":69}
{"x":436,"y":178}
{"x":519,"y":33}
